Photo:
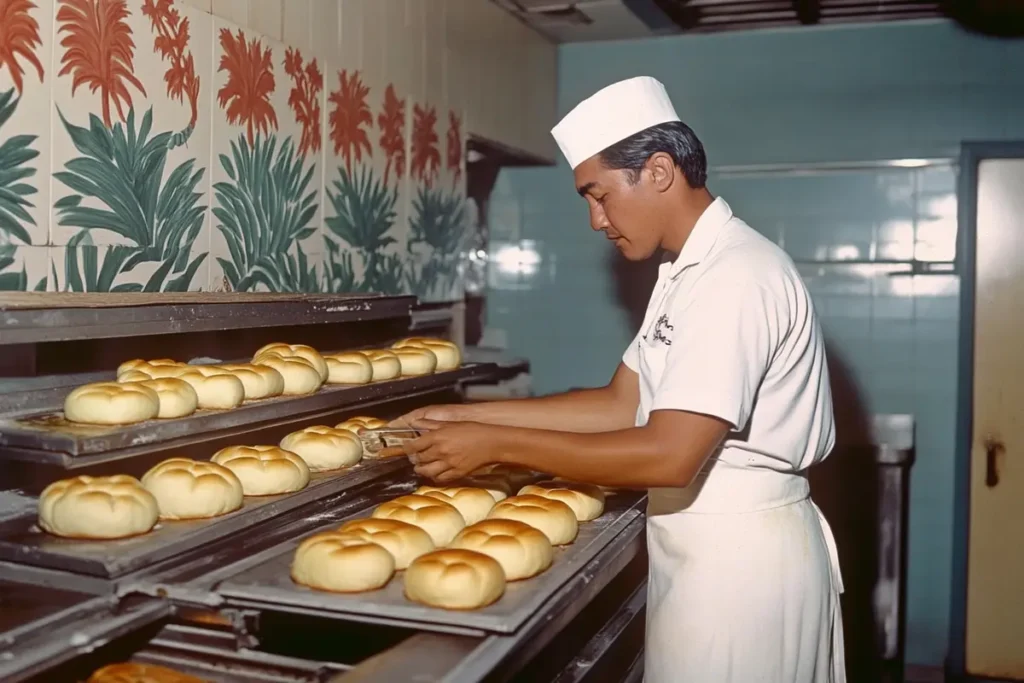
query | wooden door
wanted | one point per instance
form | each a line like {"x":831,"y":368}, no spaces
{"x":995,"y":570}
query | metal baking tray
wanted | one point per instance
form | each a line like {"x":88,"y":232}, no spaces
{"x":30,"y":318}
{"x":268,"y":585}
{"x":23,"y":542}
{"x":51,"y":432}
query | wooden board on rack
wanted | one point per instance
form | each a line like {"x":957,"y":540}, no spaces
{"x":38,"y":300}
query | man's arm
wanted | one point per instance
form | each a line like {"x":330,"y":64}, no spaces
{"x":603,"y":409}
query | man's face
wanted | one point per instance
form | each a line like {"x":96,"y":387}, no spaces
{"x":625,"y":212}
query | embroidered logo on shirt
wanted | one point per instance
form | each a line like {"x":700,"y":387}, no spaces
{"x":660,"y":328}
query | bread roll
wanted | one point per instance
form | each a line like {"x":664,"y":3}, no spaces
{"x":138,"y":364}
{"x":497,"y":487}
{"x":404,"y":541}
{"x":264,"y":470}
{"x":553,"y":517}
{"x":193,"y":489}
{"x":259,"y":381}
{"x":131,"y":672}
{"x":449,"y":357}
{"x":215,"y":388}
{"x":586,"y":500}
{"x":307,"y":353}
{"x":300,"y":377}
{"x":111,"y":403}
{"x":324,"y":448}
{"x":348,"y":368}
{"x":455,"y":579}
{"x":385,"y":364}
{"x":177,"y":397}
{"x":416,"y":362}
{"x":341,"y":563}
{"x":359,"y":423}
{"x":516,"y":476}
{"x":473,"y":504}
{"x":521,"y":550}
{"x":97,"y":507}
{"x":439,"y":519}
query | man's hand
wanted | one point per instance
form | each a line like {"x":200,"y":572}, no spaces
{"x":453,"y":450}
{"x":439,"y":413}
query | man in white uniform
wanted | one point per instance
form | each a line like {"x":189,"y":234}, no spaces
{"x":719,"y":406}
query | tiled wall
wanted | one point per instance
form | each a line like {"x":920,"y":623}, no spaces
{"x":899,"y":91}
{"x":287,"y":146}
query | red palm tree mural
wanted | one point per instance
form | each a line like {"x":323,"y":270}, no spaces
{"x":99,"y":51}
{"x":391,"y":122}
{"x":19,"y":38}
{"x":172,"y":36}
{"x":348,"y":118}
{"x":426,"y":159}
{"x":304,"y":98}
{"x":454,"y":147}
{"x":246,"y":96}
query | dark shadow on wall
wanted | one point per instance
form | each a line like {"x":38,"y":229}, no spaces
{"x":634,"y":282}
{"x":846,"y":489}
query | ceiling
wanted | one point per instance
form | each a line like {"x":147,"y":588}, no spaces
{"x":567,"y":21}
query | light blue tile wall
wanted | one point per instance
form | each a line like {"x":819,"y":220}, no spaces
{"x":824,"y":95}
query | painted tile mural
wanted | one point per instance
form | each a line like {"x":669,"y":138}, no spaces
{"x":146,"y":145}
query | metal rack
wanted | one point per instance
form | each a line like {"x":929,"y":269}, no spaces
{"x":203,"y":596}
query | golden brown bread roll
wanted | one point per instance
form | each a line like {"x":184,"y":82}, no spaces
{"x":341,"y":563}
{"x":137,"y":363}
{"x":416,"y":362}
{"x":385,"y":364}
{"x":521,"y":550}
{"x":259,"y":381}
{"x":324,"y":448}
{"x":472,"y":503}
{"x":215,"y":388}
{"x":586,"y":500}
{"x":439,"y":519}
{"x":264,"y":470}
{"x":300,"y":376}
{"x":177,"y":397}
{"x":449,"y":357}
{"x":131,"y":672}
{"x":348,"y":368}
{"x":553,"y":517}
{"x":307,"y":353}
{"x":193,"y":489}
{"x":455,"y":579}
{"x":97,"y":507}
{"x":111,"y":403}
{"x":404,"y":541}
{"x":358,"y":423}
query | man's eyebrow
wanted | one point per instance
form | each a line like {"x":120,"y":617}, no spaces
{"x":584,"y":189}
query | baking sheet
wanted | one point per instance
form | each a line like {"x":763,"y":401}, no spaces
{"x":269,"y":585}
{"x":51,"y":432}
{"x":44,"y":300}
{"x":23,"y":542}
{"x":25,"y":608}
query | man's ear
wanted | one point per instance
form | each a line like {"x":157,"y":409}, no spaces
{"x":662,"y":171}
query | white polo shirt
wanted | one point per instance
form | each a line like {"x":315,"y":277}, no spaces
{"x":730,"y":331}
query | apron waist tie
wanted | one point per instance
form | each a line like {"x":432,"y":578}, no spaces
{"x":838,"y":643}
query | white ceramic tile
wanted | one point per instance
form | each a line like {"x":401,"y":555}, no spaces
{"x":297,"y":24}
{"x":164,"y":94}
{"x":329,"y":45}
{"x":24,"y":268}
{"x":279,"y":126}
{"x":202,"y":5}
{"x":25,"y":102}
{"x":266,"y":18}
{"x":235,"y":11}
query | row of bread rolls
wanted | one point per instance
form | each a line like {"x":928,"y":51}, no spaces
{"x":167,"y":389}
{"x":120,"y":506}
{"x":458,"y":545}
{"x":134,"y":672}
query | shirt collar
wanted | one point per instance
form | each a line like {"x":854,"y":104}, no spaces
{"x":701,"y":238}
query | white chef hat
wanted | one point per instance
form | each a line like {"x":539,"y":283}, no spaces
{"x":611,"y":115}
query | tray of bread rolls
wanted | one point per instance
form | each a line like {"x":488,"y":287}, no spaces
{"x":414,"y":560}
{"x":111,"y":526}
{"x":155,"y":401}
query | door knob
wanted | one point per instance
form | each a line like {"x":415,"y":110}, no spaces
{"x":993,"y":449}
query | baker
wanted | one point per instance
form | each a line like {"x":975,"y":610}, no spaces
{"x":719,"y":406}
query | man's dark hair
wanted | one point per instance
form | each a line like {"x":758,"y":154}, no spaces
{"x":675,"y":139}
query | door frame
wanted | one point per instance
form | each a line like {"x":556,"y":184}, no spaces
{"x":971,"y":155}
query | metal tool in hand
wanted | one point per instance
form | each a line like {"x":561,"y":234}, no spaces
{"x":388,"y":441}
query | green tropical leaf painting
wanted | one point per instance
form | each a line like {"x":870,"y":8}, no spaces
{"x":265,"y":210}
{"x":121,"y":170}
{"x":15,"y":154}
{"x":12,"y":279}
{"x":437,"y":239}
